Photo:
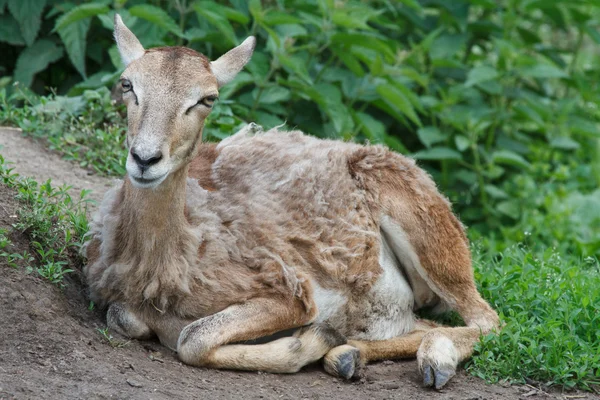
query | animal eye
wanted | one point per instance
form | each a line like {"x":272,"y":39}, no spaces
{"x":126,"y":85}
{"x":208,"y":101}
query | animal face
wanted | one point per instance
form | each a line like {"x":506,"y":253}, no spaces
{"x":169,"y":92}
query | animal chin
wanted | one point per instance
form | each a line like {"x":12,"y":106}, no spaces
{"x":144,"y":183}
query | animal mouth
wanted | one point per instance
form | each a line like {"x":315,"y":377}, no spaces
{"x":141,"y":181}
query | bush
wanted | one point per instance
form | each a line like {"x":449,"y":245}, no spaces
{"x":478,"y":90}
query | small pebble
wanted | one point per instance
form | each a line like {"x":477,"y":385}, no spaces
{"x":133,"y":383}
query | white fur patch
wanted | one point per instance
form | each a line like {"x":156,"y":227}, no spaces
{"x":330,"y":304}
{"x":441,"y":354}
{"x":390,"y":301}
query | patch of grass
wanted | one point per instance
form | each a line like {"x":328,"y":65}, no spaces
{"x":54,"y":223}
{"x":12,"y":259}
{"x":87,"y":129}
{"x":110,"y":339}
{"x":550,"y":304}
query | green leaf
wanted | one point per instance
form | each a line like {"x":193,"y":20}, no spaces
{"x":218,"y":20}
{"x":10,"y":31}
{"x":274,"y":18}
{"x":509,"y":208}
{"x":394,"y":98}
{"x":447,"y":45}
{"x":35,"y":59}
{"x":272,"y":94}
{"x":73,"y":36}
{"x":510,"y":158}
{"x":28,"y":14}
{"x":364,"y":40}
{"x":350,"y":61}
{"x":429,"y":135}
{"x":79,"y":13}
{"x":461,"y":142}
{"x":495,"y":192}
{"x":372,"y":128}
{"x":157,"y":16}
{"x":592,"y":33}
{"x":437,"y":153}
{"x":228,"y":12}
{"x":543,"y":71}
{"x":564,"y":143}
{"x":481,"y":74}
{"x":334,"y":108}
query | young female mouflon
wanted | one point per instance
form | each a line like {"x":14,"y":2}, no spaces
{"x":208,"y":246}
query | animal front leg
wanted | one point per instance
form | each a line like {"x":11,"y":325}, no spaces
{"x":123,"y":321}
{"x":205,"y":341}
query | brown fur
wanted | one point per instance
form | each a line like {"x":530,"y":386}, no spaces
{"x":270,"y":231}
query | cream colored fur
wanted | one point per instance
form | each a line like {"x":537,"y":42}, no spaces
{"x":210,"y":246}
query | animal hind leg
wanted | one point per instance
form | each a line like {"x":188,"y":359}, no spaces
{"x":285,"y":355}
{"x":206,"y":342}
{"x":442,"y":259}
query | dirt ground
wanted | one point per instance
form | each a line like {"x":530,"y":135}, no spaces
{"x":50,"y":346}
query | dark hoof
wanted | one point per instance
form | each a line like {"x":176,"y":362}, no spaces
{"x":343,"y":362}
{"x":436,"y":378}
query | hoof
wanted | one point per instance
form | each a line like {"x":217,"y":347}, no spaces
{"x":437,"y":358}
{"x":343,"y":362}
{"x":436,"y":378}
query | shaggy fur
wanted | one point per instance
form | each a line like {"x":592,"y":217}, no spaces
{"x":209,"y":245}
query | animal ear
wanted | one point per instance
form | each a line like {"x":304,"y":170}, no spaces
{"x":226,"y":67}
{"x":129,"y":46}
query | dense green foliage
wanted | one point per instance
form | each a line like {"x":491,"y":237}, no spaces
{"x":499,"y":100}
{"x":550,"y":304}
{"x":478,"y":90}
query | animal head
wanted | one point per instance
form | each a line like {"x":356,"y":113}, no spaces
{"x":169,"y":92}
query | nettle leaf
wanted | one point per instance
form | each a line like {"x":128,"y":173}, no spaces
{"x":461,"y":142}
{"x":438,"y":154}
{"x":481,"y":74}
{"x":35,"y":59}
{"x":447,"y":45}
{"x":543,"y":71}
{"x":373,"y":129}
{"x":218,"y":20}
{"x":510,"y":158}
{"x":564,"y":143}
{"x":429,"y":135}
{"x":272,"y":94}
{"x":337,"y":112}
{"x":228,"y":12}
{"x":363,"y":40}
{"x":79,"y":13}
{"x":28,"y":14}
{"x":510,"y":208}
{"x":73,"y":36}
{"x":10,"y":31}
{"x":157,"y":16}
{"x":398,"y":101}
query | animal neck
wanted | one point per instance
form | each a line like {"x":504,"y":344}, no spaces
{"x":155,"y":240}
{"x":158,"y":212}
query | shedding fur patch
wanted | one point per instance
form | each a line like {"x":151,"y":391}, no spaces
{"x":284,"y":210}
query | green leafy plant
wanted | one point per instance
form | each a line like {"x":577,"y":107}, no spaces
{"x":470,"y":88}
{"x":53,"y":222}
{"x":549,"y":303}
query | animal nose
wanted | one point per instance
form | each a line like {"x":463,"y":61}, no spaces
{"x":144,"y":163}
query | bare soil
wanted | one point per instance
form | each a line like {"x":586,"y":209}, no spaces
{"x":51,"y":347}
